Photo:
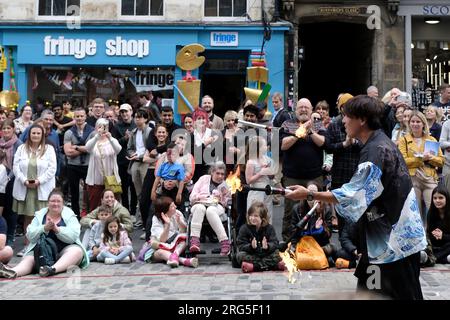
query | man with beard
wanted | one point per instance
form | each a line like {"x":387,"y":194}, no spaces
{"x":302,"y":156}
{"x":215,"y":122}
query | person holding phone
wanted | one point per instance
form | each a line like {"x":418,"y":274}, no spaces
{"x":34,"y":168}
{"x":103,"y":150}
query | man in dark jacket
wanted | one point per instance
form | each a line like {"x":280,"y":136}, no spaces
{"x":122,"y":133}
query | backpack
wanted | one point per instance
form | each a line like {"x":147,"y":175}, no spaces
{"x":45,"y":252}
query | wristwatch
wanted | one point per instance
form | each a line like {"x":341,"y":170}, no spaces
{"x":310,"y":196}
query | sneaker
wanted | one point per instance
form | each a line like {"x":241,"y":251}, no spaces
{"x":7,"y":273}
{"x":247,"y":267}
{"x":21,"y":253}
{"x":342,"y":263}
{"x":126,"y":260}
{"x":46,"y":271}
{"x":191,"y":262}
{"x":173,"y":260}
{"x":225,"y":247}
{"x":195,"y":245}
{"x":110,"y":261}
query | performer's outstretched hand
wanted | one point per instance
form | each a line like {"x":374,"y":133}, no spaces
{"x":298,"y":193}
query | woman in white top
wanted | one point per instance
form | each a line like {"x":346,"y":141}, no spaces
{"x":103,"y":150}
{"x":34,"y":168}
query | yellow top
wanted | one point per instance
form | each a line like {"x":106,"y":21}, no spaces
{"x":408,"y":148}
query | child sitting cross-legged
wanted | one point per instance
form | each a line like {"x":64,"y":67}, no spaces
{"x":258,"y":243}
{"x":116,"y":246}
{"x":169,"y":235}
{"x":95,"y":236}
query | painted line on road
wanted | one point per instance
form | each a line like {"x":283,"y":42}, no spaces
{"x":191,"y":274}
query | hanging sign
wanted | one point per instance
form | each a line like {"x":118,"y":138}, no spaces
{"x":3,"y":60}
{"x":153,"y":80}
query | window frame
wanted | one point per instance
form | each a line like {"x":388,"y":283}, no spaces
{"x":225,"y":18}
{"x":141,"y":17}
{"x":52,"y":17}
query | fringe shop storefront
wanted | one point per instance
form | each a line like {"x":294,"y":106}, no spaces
{"x":53,"y":62}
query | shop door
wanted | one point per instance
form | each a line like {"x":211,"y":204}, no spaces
{"x":338,"y":58}
{"x":223,"y":78}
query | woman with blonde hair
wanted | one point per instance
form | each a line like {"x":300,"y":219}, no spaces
{"x":434,"y":116}
{"x":422,"y":155}
{"x":229,"y":134}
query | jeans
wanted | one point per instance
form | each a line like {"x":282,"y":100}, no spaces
{"x":74,"y":175}
{"x":127,"y":184}
{"x":123,"y":254}
{"x":9,"y":215}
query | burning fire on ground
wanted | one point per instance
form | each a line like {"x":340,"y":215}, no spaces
{"x":290,"y":263}
{"x":233,"y":181}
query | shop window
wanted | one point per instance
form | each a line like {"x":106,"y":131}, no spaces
{"x":431,"y":69}
{"x":142,"y":7}
{"x":225,"y":8}
{"x":58,"y":7}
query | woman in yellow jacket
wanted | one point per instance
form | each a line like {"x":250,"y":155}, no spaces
{"x":421,"y":160}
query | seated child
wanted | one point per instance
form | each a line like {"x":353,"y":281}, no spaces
{"x":116,"y":246}
{"x":95,"y":236}
{"x":258,"y":243}
{"x":169,"y":176}
{"x":318,"y":226}
{"x":168,"y":239}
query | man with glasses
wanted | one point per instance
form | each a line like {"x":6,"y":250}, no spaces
{"x":98,"y":109}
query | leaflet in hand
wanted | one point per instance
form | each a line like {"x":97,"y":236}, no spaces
{"x":431,"y":147}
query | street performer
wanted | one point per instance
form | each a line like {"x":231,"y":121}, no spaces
{"x":381,"y":198}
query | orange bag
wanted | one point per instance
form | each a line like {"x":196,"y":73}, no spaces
{"x":309,"y":255}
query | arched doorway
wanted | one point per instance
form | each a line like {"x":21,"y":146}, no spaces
{"x":338,"y":58}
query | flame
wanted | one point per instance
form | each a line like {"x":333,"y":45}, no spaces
{"x":233,"y":181}
{"x":301,"y":132}
{"x":290,"y":263}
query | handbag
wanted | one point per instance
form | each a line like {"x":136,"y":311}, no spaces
{"x":110,"y":182}
{"x":309,"y":255}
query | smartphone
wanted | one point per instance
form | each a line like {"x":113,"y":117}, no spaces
{"x":317,"y":124}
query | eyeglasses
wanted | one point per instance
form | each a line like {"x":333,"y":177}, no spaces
{"x":317,"y":119}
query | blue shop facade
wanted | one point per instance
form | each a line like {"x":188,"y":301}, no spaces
{"x":116,"y":62}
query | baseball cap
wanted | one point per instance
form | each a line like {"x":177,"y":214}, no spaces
{"x":126,"y":107}
{"x":343,"y":99}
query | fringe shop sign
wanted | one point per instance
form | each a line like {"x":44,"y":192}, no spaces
{"x":80,"y":48}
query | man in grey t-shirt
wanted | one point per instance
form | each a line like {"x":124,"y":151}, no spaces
{"x":77,"y":157}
